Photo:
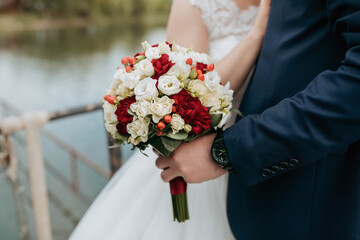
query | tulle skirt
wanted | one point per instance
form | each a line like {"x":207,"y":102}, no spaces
{"x":136,"y":204}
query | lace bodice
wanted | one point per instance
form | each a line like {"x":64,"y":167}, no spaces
{"x":226,"y":24}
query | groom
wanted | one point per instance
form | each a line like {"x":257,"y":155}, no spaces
{"x":297,"y":151}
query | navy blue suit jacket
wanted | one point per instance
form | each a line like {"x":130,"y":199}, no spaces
{"x":297,"y":151}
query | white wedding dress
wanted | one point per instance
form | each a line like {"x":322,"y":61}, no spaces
{"x":136,"y":204}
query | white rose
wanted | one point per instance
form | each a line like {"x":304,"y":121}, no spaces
{"x":130,"y":79}
{"x":146,"y":88}
{"x":123,"y":91}
{"x":177,"y":58}
{"x":179,"y":49}
{"x":119,"y":72}
{"x":141,"y":108}
{"x":225,"y":118}
{"x":200,"y":57}
{"x":164,"y":48}
{"x":212,"y":79}
{"x":152,"y":53}
{"x":224,"y":93}
{"x":117,"y":78}
{"x":109,"y":112}
{"x":229,"y":93}
{"x":111,"y":129}
{"x":177,"y":123}
{"x":180,"y":69}
{"x":198,"y":87}
{"x":169,"y":85}
{"x":145,"y":68}
{"x":110,"y":91}
{"x":145,"y":45}
{"x":139,"y":127}
{"x":161,"y":107}
{"x":134,"y":141}
{"x":211,"y":100}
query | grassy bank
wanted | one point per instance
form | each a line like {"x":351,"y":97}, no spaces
{"x":56,"y":14}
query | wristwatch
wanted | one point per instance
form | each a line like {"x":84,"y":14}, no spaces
{"x":220,"y":154}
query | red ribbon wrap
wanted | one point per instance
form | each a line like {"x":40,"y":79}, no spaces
{"x":177,"y":186}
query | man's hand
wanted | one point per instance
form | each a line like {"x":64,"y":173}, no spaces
{"x":192,"y":161}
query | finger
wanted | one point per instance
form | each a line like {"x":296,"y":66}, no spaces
{"x":169,"y":174}
{"x":162,"y":162}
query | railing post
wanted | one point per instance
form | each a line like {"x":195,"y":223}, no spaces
{"x":115,"y":156}
{"x":74,"y":173}
{"x":33,"y":123}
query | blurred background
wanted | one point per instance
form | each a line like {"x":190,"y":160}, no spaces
{"x":62,"y":54}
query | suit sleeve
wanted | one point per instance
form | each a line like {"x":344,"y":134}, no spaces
{"x":318,"y":121}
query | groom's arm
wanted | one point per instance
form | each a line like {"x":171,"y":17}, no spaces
{"x":321,"y":119}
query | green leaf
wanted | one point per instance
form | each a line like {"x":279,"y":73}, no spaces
{"x":170,"y":144}
{"x":194,"y":136}
{"x":119,"y":137}
{"x":159,"y":146}
{"x":142,"y":151}
{"x":216,"y":119}
{"x":237,"y":111}
{"x":182,"y":135}
{"x":117,"y":144}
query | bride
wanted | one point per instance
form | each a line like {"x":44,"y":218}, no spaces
{"x":136,"y":204}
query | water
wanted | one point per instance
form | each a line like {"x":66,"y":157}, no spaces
{"x":57,"y":69}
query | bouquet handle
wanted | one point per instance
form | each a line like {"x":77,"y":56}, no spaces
{"x":178,"y":188}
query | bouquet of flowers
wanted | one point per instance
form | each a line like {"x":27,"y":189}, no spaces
{"x":163,"y":96}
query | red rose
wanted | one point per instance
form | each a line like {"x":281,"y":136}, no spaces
{"x":170,"y":44}
{"x":122,"y":114}
{"x":161,"y":65}
{"x":192,"y":111}
{"x":156,"y":45}
{"x":201,"y":66}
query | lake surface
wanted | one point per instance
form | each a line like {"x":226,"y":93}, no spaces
{"x":57,"y":69}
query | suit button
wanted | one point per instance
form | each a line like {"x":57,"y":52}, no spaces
{"x":283,"y":166}
{"x":265,"y":172}
{"x":293,"y":162}
{"x":274,"y":169}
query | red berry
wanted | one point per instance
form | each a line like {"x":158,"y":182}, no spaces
{"x":210,"y":67}
{"x":106,"y":97}
{"x":173,"y":109}
{"x":159,"y":133}
{"x":111,"y":100}
{"x":161,"y":125}
{"x":128,"y":69}
{"x":189,"y":61}
{"x":167,"y":119}
{"x":199,"y":72}
{"x":132,"y":60}
{"x":124,"y":60}
{"x":201,"y":77}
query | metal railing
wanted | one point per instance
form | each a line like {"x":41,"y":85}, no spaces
{"x":76,"y":157}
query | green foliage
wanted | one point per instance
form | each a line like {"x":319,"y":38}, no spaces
{"x":237,"y":112}
{"x":182,"y":135}
{"x":96,"y":8}
{"x":216,"y":119}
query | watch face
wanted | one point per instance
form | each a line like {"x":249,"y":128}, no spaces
{"x":220,"y":154}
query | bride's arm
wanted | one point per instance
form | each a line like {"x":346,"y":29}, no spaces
{"x":236,"y":66}
{"x":186,"y":28}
